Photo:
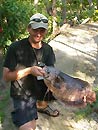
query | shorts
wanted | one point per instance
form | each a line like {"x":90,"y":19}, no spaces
{"x":24,"y":111}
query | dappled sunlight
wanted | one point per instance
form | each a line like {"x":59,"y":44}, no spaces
{"x":85,"y":77}
{"x":76,"y":49}
{"x":0,"y":125}
{"x":72,"y":46}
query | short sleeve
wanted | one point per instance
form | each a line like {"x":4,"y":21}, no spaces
{"x":10,"y":61}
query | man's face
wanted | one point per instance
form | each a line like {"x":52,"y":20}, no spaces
{"x":36,"y":35}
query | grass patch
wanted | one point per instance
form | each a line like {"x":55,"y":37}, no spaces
{"x":85,"y":112}
{"x":4,"y":98}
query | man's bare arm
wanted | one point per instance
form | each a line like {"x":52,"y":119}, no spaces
{"x":9,"y":75}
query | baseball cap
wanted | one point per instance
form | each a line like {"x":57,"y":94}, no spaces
{"x":39,"y":21}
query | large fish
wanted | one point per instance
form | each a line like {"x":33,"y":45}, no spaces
{"x":69,"y":90}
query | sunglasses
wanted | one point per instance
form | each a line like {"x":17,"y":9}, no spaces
{"x":40,"y":20}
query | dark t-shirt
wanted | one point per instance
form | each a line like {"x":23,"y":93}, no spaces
{"x":21,"y":54}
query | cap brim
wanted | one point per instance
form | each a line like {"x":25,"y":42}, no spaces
{"x":39,"y":25}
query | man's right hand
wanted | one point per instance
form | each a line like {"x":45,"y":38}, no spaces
{"x":37,"y":71}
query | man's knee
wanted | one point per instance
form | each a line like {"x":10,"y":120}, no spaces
{"x":31,"y":125}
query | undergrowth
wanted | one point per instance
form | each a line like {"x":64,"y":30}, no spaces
{"x":4,"y":98}
{"x":89,"y":109}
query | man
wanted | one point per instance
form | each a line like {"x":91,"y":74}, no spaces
{"x":23,"y":68}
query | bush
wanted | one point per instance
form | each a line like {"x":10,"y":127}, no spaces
{"x":14,"y":19}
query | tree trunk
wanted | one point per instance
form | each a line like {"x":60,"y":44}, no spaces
{"x":90,"y":3}
{"x":63,"y":14}
{"x":36,"y":3}
{"x":97,"y":3}
{"x":48,"y":5}
{"x":54,"y":12}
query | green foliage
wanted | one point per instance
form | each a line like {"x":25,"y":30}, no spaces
{"x":83,"y":113}
{"x":89,"y":109}
{"x":14,"y":18}
{"x":95,"y":15}
{"x":81,"y":10}
{"x":4,"y":98}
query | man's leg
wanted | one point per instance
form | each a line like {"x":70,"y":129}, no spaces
{"x":43,"y":107}
{"x":41,"y":104}
{"x":24,"y":115}
{"x":31,"y":125}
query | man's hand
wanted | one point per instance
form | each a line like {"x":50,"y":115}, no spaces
{"x":37,"y":71}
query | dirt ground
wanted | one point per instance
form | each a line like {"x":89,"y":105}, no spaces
{"x":76,"y":51}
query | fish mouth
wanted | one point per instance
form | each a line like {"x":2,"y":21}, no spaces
{"x":81,"y":103}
